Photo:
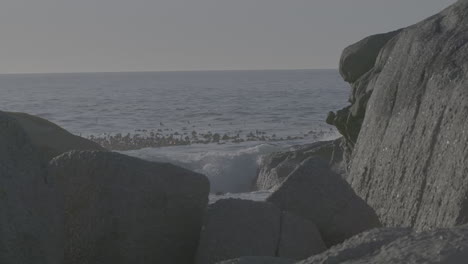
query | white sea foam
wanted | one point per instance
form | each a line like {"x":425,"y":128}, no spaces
{"x":229,"y":168}
{"x":258,"y":196}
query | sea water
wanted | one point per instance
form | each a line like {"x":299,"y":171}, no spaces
{"x":285,"y":107}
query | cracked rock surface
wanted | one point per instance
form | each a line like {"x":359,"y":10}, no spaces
{"x":410,"y":159}
{"x":276,"y":167}
{"x":314,"y":192}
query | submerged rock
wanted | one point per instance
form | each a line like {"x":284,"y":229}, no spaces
{"x":30,"y":218}
{"x":50,"y":139}
{"x":399,"y":246}
{"x":276,"y":167}
{"x":316,"y":193}
{"x":236,"y":228}
{"x":124,"y":210}
{"x":411,"y":157}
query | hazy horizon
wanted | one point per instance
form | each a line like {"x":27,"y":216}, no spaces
{"x":57,"y":36}
{"x":166,"y":71}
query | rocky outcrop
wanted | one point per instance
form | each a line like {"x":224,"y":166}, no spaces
{"x":124,"y":210}
{"x":258,"y":260}
{"x":276,"y":167}
{"x":411,"y":156}
{"x":236,"y":228}
{"x":359,"y":66}
{"x":316,"y":193}
{"x":359,"y":58}
{"x":50,"y":139}
{"x":399,"y":246}
{"x":30,"y":221}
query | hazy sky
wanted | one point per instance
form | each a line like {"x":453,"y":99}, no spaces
{"x":158,"y":35}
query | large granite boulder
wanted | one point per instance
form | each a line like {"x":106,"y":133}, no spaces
{"x":276,"y":167}
{"x":399,"y":246}
{"x":258,"y":260}
{"x":30,"y":220}
{"x":316,"y":193}
{"x":124,"y":210}
{"x":50,"y":139}
{"x":235,"y":228}
{"x":359,"y":67}
{"x":411,"y":156}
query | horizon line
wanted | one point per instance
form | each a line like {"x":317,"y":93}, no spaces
{"x":162,"y":71}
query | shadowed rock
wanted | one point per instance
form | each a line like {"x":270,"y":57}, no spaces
{"x":316,"y":193}
{"x":360,"y":57}
{"x":124,"y":210}
{"x":411,"y":157}
{"x":399,"y":246}
{"x":299,"y":238}
{"x":50,"y":139}
{"x":258,"y":260}
{"x":30,"y":222}
{"x":236,"y":228}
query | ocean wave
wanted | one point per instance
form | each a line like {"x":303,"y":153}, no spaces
{"x":230,"y":169}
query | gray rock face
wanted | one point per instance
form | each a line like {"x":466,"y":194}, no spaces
{"x":30,"y":222}
{"x":358,"y":67}
{"x":411,"y":157}
{"x":359,"y":246}
{"x":314,"y":192}
{"x":258,"y":260}
{"x":399,"y":246}
{"x":276,"y":167}
{"x":120,"y":209}
{"x":236,"y":228}
{"x":50,"y":139}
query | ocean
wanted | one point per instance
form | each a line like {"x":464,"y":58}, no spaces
{"x":219,"y":123}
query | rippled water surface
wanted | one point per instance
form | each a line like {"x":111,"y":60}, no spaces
{"x":282,"y":103}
